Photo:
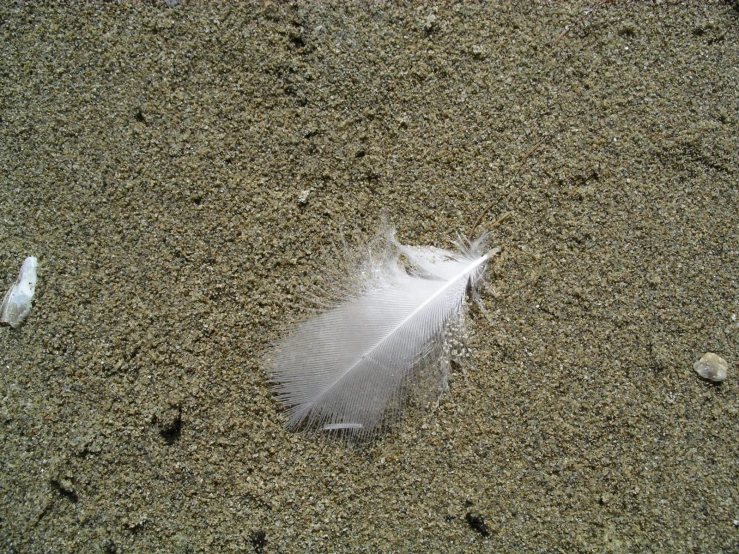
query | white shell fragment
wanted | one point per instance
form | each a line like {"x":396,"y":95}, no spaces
{"x":712,"y":367}
{"x":17,"y":301}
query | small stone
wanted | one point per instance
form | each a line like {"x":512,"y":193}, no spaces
{"x":303,"y":196}
{"x":476,"y":522}
{"x":712,"y":367}
{"x":17,"y":301}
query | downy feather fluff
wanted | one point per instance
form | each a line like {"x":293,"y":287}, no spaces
{"x":348,"y":369}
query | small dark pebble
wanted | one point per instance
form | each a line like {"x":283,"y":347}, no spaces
{"x":258,"y":540}
{"x":172,"y":431}
{"x":477,"y":523}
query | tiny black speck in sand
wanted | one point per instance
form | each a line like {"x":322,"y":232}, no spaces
{"x":476,"y":522}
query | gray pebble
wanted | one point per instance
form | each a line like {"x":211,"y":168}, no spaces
{"x":711,"y":367}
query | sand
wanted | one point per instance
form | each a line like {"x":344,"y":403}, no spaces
{"x":184,"y":173}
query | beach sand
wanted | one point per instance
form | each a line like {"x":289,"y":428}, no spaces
{"x":185,"y":173}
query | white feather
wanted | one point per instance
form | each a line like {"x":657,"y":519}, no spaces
{"x":347,"y":369}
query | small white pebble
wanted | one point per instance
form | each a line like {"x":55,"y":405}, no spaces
{"x":712,"y":367}
{"x":303,"y":196}
{"x":17,"y":301}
